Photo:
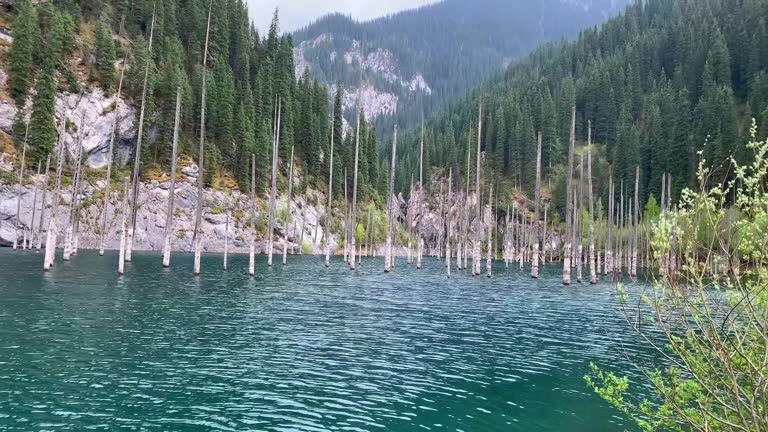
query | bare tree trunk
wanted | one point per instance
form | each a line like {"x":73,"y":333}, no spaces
{"x":137,"y":157}
{"x":77,"y":201}
{"x":592,"y":265}
{"x":43,"y":204}
{"x":226,"y":240}
{"x":18,"y":195}
{"x":346,"y":219}
{"x":409,"y":223}
{"x":303,"y":226}
{"x":34,"y":207}
{"x":491,"y":218}
{"x":328,"y":209}
{"x":448,"y":237}
{"x":422,"y":195}
{"x":523,"y":240}
{"x":568,"y":211}
{"x":353,"y":224}
{"x":53,"y":232}
{"x":580,"y":224}
{"x":633,"y":267}
{"x":466,"y":199}
{"x":288,"y":210}
{"x":171,"y":188}
{"x":252,"y":249}
{"x":609,"y":238}
{"x":123,"y":230}
{"x":273,"y":190}
{"x":369,"y":231}
{"x":73,"y":207}
{"x":103,"y":233}
{"x":479,"y":236}
{"x":537,"y":194}
{"x":197,"y":238}
{"x":390,"y":207}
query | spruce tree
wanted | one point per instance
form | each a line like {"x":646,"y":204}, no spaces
{"x":105,"y":55}
{"x":22,"y":52}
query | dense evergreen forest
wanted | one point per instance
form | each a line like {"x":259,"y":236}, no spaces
{"x":65,"y":40}
{"x":661,"y":82}
{"x":454,"y":44}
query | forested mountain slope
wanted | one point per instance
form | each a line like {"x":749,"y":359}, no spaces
{"x":413,"y":62}
{"x":661,"y":82}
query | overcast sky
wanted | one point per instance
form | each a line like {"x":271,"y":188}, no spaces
{"x":295,"y":14}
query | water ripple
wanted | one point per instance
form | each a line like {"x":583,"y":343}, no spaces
{"x":300,"y":348}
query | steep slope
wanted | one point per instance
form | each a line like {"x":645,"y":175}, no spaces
{"x":415,"y":61}
{"x":667,"y":82}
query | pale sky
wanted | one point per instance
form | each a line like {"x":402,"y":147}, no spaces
{"x":295,"y":14}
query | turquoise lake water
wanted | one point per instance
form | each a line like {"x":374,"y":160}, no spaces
{"x":301,"y":347}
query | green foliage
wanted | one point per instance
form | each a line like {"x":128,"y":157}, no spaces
{"x":22,"y":53}
{"x":657,"y":83}
{"x":710,"y":311}
{"x":105,"y":55}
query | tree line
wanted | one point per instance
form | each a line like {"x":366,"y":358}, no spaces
{"x":247,"y":73}
{"x":661,"y":82}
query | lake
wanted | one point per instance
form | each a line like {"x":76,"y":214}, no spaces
{"x":301,"y":347}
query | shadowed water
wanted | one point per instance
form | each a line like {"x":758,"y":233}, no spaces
{"x":300,"y":347}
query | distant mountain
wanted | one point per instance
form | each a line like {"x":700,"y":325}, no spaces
{"x":416,"y":61}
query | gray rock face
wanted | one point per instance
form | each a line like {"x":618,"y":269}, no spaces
{"x":97,"y":113}
{"x":151,"y":218}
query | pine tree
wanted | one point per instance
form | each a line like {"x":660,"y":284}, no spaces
{"x":22,"y":52}
{"x":105,"y":55}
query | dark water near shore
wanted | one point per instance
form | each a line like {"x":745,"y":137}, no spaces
{"x":300,"y":348}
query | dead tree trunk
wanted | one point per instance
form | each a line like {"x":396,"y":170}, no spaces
{"x":633,"y":266}
{"x":273,"y":189}
{"x":353,"y":225}
{"x":569,"y":209}
{"x":252,"y":249}
{"x":592,"y":264}
{"x":465,"y":235}
{"x":128,"y":254}
{"x":422,"y":195}
{"x":537,"y":194}
{"x":491,"y":218}
{"x":123,"y":230}
{"x":580,"y":224}
{"x":448,"y":236}
{"x":390,"y":207}
{"x":43,"y":204}
{"x":226,"y":240}
{"x":171,"y":188}
{"x":288,"y":210}
{"x":103,"y":233}
{"x":73,"y":205}
{"x":409,"y":223}
{"x":478,"y":235}
{"x":197,"y":238}
{"x":18,"y":195}
{"x":34,"y":207}
{"x":328,"y":209}
{"x":53,"y":232}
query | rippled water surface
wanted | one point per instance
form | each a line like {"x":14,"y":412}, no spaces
{"x":300,"y":347}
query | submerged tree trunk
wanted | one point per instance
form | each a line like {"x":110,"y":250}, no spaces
{"x":73,"y":207}
{"x":288,"y":210}
{"x":448,"y":236}
{"x":569,"y":208}
{"x":409,"y":223}
{"x":578,"y":215}
{"x":328,"y":209}
{"x":491,"y":226}
{"x":50,"y":241}
{"x":123,"y":230}
{"x":197,"y":238}
{"x":636,"y":215}
{"x":273,"y":189}
{"x":18,"y":195}
{"x":34,"y":207}
{"x":466,"y":199}
{"x":422,"y":195}
{"x":478,"y":235}
{"x":76,"y":199}
{"x":103,"y":233}
{"x":137,"y":157}
{"x":353,"y":219}
{"x":537,"y":195}
{"x":172,"y":187}
{"x":252,"y":248}
{"x":608,"y":269}
{"x":226,"y":240}
{"x":43,"y":203}
{"x":592,"y":267}
{"x":390,"y":207}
